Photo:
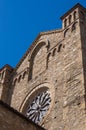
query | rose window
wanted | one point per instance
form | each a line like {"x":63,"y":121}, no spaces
{"x":39,"y":107}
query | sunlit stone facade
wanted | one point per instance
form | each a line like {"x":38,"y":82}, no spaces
{"x":48,"y":85}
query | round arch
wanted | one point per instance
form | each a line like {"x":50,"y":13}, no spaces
{"x":32,"y":94}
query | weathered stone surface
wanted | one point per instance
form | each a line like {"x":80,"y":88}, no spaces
{"x":56,"y":62}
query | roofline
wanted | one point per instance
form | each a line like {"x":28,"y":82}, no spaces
{"x":6,"y":66}
{"x":34,"y":42}
{"x":28,"y":50}
{"x":74,"y":7}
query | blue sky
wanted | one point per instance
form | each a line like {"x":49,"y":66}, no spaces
{"x":22,"y":20}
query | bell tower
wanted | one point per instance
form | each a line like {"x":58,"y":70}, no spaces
{"x":74,"y":97}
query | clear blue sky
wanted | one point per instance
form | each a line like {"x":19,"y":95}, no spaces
{"x":22,"y":20}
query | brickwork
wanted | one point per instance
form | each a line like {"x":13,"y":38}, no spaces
{"x":5,"y":81}
{"x":55,"y":62}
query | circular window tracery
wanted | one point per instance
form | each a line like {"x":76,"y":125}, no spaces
{"x":39,"y":107}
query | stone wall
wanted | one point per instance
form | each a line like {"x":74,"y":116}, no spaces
{"x":5,"y":80}
{"x":55,"y":62}
{"x":55,"y":59}
{"x":12,"y":120}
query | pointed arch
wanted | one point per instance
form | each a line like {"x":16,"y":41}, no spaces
{"x":37,"y":53}
{"x":59,"y":47}
{"x":19,"y":79}
{"x":74,"y":26}
{"x":70,"y":19}
{"x":54,"y":52}
{"x":48,"y":57}
{"x":65,"y":23}
{"x":23,"y":76}
{"x":14,"y":83}
{"x":74,"y":15}
{"x":66,"y":32}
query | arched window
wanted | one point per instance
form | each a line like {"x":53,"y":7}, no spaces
{"x":74,"y":26}
{"x":65,"y":23}
{"x":19,"y":78}
{"x":70,"y":19}
{"x":38,"y":60}
{"x":48,"y":57}
{"x":66,"y":33}
{"x":24,"y":75}
{"x":74,"y":15}
{"x":59,"y":48}
{"x":15,"y":81}
{"x":37,"y":105}
{"x":54,"y":52}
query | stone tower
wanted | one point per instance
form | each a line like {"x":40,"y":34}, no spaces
{"x":48,"y":85}
{"x":5,"y":78}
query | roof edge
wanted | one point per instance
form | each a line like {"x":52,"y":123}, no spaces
{"x":34,"y":42}
{"x":70,"y":10}
{"x":6,"y":66}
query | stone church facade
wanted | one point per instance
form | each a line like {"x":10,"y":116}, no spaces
{"x":48,"y":85}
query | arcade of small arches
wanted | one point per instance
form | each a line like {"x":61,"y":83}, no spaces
{"x":52,"y":53}
{"x":55,"y":51}
{"x":20,"y":76}
{"x":72,"y":17}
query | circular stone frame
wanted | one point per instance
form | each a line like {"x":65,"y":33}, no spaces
{"x":32,"y":95}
